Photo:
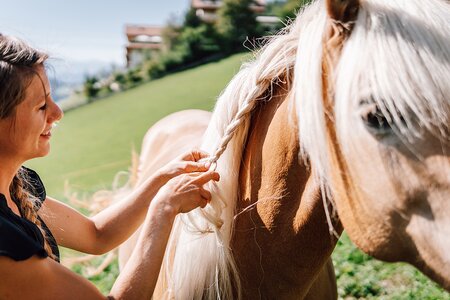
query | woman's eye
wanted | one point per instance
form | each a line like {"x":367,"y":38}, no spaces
{"x":43,"y":107}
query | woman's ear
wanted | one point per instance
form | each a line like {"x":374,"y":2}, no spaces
{"x":343,"y":11}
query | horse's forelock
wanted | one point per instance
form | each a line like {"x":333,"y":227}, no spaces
{"x":309,"y":90}
{"x":398,"y":56}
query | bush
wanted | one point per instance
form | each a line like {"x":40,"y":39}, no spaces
{"x":198,"y":43}
{"x":173,"y":59}
{"x":91,"y":87}
{"x":154,"y":68}
{"x":134,"y":76}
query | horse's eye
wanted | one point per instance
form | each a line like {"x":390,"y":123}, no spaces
{"x":376,"y":120}
{"x":373,"y":118}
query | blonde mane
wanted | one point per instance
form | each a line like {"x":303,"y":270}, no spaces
{"x":200,"y":242}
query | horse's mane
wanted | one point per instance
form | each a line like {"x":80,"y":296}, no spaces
{"x":203,"y":265}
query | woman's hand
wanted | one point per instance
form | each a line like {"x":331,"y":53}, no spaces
{"x":185,"y":192}
{"x":186,"y":163}
{"x":181,"y":194}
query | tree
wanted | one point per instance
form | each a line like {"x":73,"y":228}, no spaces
{"x":171,"y":33}
{"x":290,"y":8}
{"x":198,"y":43}
{"x":191,"y":19}
{"x":237,"y":23}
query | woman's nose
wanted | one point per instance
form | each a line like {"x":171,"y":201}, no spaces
{"x":56,"y":113}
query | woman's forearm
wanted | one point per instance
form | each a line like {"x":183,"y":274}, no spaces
{"x":116,"y":223}
{"x":139,"y":277}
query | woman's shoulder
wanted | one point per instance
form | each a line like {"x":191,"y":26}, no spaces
{"x":14,"y":243}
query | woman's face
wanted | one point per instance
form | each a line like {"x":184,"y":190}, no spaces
{"x":26,"y":133}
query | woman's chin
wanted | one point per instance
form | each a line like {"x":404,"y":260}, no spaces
{"x":42,"y":151}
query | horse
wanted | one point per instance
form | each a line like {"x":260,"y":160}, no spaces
{"x":341,"y":121}
{"x":173,"y":136}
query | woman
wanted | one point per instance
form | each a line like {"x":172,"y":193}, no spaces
{"x":31,"y":224}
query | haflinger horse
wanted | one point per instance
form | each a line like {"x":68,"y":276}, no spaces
{"x":345,"y":110}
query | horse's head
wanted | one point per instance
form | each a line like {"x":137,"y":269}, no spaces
{"x":376,"y":123}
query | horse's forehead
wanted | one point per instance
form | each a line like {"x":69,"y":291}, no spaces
{"x":410,"y":20}
{"x":389,"y":38}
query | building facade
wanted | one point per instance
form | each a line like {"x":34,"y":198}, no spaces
{"x":143,"y":42}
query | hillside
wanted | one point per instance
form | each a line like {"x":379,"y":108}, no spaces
{"x":94,"y":142}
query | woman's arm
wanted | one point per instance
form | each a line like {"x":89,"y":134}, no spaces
{"x":37,"y":278}
{"x":147,"y":257}
{"x":104,"y":231}
{"x":112,"y":226}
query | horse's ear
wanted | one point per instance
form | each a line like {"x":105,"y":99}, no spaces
{"x":343,"y":11}
{"x":342,"y":14}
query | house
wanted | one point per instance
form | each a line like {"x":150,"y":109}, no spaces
{"x":143,"y":41}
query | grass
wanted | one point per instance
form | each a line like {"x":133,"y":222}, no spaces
{"x":94,"y":142}
{"x":360,"y":276}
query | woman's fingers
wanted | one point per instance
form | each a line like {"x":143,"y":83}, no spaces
{"x":186,"y":192}
{"x":206,"y":195}
{"x":198,"y":154}
{"x":205,"y":177}
{"x":192,"y":166}
{"x":203,"y":203}
{"x":195,"y":155}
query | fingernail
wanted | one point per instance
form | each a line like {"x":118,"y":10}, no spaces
{"x":207,"y":164}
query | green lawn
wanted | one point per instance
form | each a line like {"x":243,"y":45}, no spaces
{"x":94,"y":142}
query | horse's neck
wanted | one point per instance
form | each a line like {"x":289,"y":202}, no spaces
{"x":281,"y":235}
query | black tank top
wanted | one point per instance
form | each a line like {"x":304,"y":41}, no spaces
{"x":19,"y":238}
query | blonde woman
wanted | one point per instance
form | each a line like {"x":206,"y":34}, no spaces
{"x":32,"y":224}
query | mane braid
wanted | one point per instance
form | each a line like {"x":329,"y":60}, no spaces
{"x":240,"y":118}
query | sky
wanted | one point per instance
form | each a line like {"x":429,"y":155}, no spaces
{"x":88,"y":31}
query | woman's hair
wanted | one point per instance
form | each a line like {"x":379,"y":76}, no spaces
{"x":18,"y":65}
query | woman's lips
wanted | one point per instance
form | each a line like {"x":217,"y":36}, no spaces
{"x":46,"y":135}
